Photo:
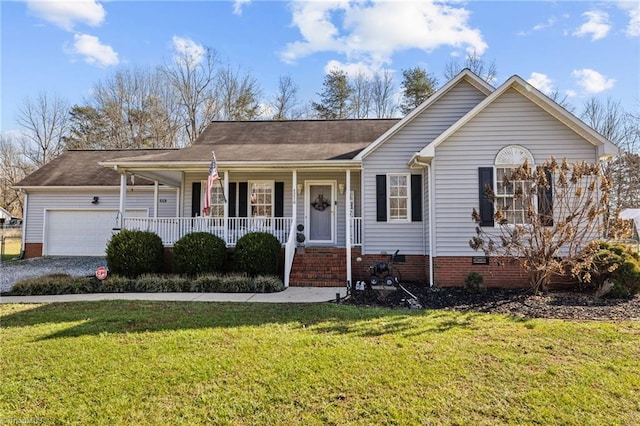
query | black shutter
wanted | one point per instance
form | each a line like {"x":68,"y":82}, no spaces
{"x":279,"y":199}
{"x":416,"y":198}
{"x":196,"y":193}
{"x":545,"y":202}
{"x":381,"y":198}
{"x":485,"y":175}
{"x":242,"y":199}
{"x":232,"y":199}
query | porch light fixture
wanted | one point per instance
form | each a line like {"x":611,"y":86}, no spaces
{"x":95,"y":201}
{"x":299,"y":188}
{"x":341,"y":188}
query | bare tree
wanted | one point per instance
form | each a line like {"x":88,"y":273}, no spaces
{"x":475,"y":63}
{"x":134,"y":108}
{"x":238,"y":94}
{"x":360,"y":98}
{"x":562,"y":100}
{"x":285,"y":102}
{"x":13,"y":167}
{"x":382,"y":95}
{"x":45,"y":122}
{"x":623,"y":129}
{"x":193,"y":77}
{"x":563,"y":207}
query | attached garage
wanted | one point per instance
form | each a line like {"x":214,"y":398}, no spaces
{"x":80,"y":232}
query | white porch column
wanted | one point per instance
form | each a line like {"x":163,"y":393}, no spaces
{"x":123,"y":198}
{"x":178,"y":203}
{"x":155,"y":198}
{"x":226,"y":206}
{"x":294,"y":195}
{"x":347,"y":231}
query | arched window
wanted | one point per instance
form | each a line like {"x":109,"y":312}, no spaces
{"x":514,"y":207}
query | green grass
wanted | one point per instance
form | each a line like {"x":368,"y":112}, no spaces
{"x":128,"y":362}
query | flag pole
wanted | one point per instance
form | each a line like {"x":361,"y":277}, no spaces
{"x":215,"y":161}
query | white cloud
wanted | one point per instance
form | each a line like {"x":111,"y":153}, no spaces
{"x":184,"y":46}
{"x":633,"y":9}
{"x":541,"y":82}
{"x":597,"y":25}
{"x":592,"y":81}
{"x":67,"y":13}
{"x":571,"y":93}
{"x":93,"y":51}
{"x":238,"y":5}
{"x":372,"y":32}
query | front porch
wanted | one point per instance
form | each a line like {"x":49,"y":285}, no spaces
{"x":231,"y":230}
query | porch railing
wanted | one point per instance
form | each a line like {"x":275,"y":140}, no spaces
{"x":171,"y":229}
{"x":289,"y":253}
{"x":356,"y":231}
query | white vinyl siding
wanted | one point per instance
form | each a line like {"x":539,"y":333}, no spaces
{"x":393,"y":156}
{"x":511,"y":119}
{"x":109,"y":199}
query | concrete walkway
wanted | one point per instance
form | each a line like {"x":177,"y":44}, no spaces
{"x":290,"y":295}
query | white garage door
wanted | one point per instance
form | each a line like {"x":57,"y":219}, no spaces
{"x":80,"y":232}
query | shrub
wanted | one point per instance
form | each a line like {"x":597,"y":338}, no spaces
{"x":54,"y":284}
{"x":199,"y":253}
{"x":267,"y":284}
{"x":206,"y":283}
{"x":132,"y":253}
{"x":257,"y":253}
{"x":474,"y":283}
{"x":116,"y":284}
{"x":616,"y":263}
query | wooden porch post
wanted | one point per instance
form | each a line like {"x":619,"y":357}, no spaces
{"x":347,"y":232}
{"x":226,"y":206}
{"x":123,"y":198}
{"x":155,"y":198}
{"x":294,"y":195}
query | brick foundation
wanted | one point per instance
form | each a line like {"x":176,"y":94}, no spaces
{"x":450,"y":271}
{"x":32,"y":250}
{"x":415,"y":268}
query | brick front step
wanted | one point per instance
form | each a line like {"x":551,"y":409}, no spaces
{"x":319,"y":267}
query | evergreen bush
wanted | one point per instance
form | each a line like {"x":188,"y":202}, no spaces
{"x":199,"y":253}
{"x":132,"y":253}
{"x":257,"y":253}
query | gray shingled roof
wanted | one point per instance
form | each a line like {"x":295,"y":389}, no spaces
{"x":81,"y":168}
{"x":237,"y":141}
{"x":295,"y":140}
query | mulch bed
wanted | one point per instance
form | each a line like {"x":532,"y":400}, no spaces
{"x":517,"y":302}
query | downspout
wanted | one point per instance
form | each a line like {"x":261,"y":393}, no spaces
{"x":25,"y":211}
{"x":430,"y":213}
{"x":431,"y":227}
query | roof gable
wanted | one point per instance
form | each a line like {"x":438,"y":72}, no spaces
{"x":605,"y":147}
{"x":465,"y":75}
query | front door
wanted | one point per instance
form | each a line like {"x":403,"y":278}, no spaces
{"x":320,"y":212}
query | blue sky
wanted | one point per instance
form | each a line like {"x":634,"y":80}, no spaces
{"x":580,"y":48}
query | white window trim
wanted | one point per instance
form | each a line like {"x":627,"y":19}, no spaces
{"x":511,"y":157}
{"x":273,"y":195}
{"x":408,"y":218}
{"x":203,"y":186}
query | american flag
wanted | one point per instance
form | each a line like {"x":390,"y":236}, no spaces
{"x":211,"y":180}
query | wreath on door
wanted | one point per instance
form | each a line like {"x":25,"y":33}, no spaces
{"x":320,"y":203}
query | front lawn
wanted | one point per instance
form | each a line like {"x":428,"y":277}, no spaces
{"x":133,"y":362}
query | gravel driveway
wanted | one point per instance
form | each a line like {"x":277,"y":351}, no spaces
{"x":12,"y":272}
